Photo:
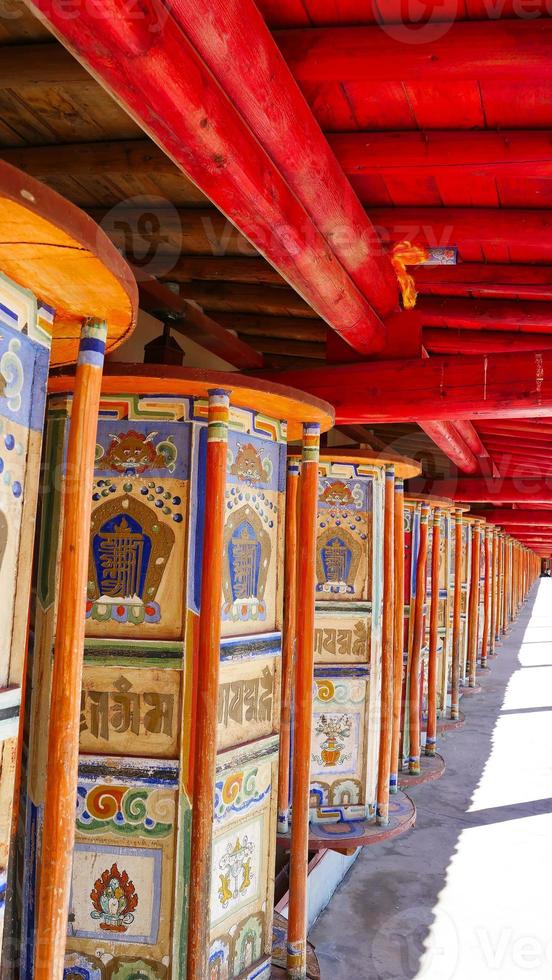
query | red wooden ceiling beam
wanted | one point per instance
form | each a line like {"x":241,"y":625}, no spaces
{"x":468,"y":432}
{"x":515,"y":153}
{"x":505,"y":50}
{"x":510,"y":464}
{"x":445,"y":340}
{"x":450,"y":441}
{"x":489,"y":490}
{"x":513,"y":385}
{"x":504,"y":515}
{"x":237,"y":46}
{"x":485,"y":280}
{"x":524,"y":446}
{"x":492,"y":314}
{"x":473,"y":230}
{"x":517,"y":428}
{"x":151,"y":68}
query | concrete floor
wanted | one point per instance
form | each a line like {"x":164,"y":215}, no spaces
{"x":467,"y":894}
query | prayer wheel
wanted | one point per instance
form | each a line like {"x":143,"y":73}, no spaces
{"x":180,"y":703}
{"x":66,"y":295}
{"x":350,"y":755}
{"x":460,"y":583}
{"x":353,"y":639}
{"x":414,"y":603}
{"x":437,"y":651}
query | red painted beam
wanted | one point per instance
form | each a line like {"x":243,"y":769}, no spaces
{"x":485,"y":280}
{"x":542,"y":427}
{"x":525,"y":448}
{"x":150,"y":67}
{"x":482,"y":314}
{"x":295,"y":13}
{"x":514,"y":517}
{"x":495,"y":50}
{"x":469,"y":433}
{"x":512,"y":154}
{"x":513,"y":385}
{"x":445,"y":340}
{"x":237,"y":46}
{"x":489,"y":490}
{"x":523,"y":235}
{"x":450,"y":441}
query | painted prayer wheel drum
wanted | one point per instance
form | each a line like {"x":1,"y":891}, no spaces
{"x":412,"y":515}
{"x":441,"y":510}
{"x":482,"y":588}
{"x":476,"y":526}
{"x":348,"y":632}
{"x":467,"y":523}
{"x":56,"y":269}
{"x":140,"y":698}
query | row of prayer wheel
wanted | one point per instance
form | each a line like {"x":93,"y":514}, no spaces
{"x":411,"y":595}
{"x":190,"y":581}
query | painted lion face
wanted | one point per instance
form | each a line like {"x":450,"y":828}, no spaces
{"x":132,"y":451}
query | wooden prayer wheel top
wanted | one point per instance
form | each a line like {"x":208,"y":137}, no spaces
{"x":52,"y":248}
{"x":444,"y":503}
{"x":274,"y":400}
{"x":405,"y":468}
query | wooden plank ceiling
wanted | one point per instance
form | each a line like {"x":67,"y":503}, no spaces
{"x":457,"y":154}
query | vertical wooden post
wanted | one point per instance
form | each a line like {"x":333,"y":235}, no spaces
{"x":304,"y":678}
{"x":494,"y":590}
{"x":398,"y":632}
{"x":386,"y":730}
{"x":199,"y":918}
{"x":418,"y":632}
{"x":457,"y":617}
{"x":473,"y":607}
{"x":65,"y":703}
{"x":288,"y":641}
{"x":503,"y":617}
{"x":486,"y":598}
{"x":431,"y":735}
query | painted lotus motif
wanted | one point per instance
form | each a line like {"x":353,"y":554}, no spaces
{"x":114,"y":899}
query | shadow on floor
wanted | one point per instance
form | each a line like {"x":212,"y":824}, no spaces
{"x":455,"y":898}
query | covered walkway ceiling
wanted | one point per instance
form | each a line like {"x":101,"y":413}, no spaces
{"x":322,"y":128}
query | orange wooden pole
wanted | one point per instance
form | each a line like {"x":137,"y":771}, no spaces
{"x":502,"y":583}
{"x":199,"y":918}
{"x":304,"y":679}
{"x":494,"y":596}
{"x":486,"y":599}
{"x":457,"y":617}
{"x":386,"y":730}
{"x":65,"y":702}
{"x":418,"y":632}
{"x":398,"y":632}
{"x":431,"y":735}
{"x":288,"y":642}
{"x":473,"y":607}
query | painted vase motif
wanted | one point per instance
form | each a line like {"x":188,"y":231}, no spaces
{"x":331,"y":751}
{"x":335,"y":729}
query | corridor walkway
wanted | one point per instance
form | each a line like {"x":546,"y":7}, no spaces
{"x":466,"y":895}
